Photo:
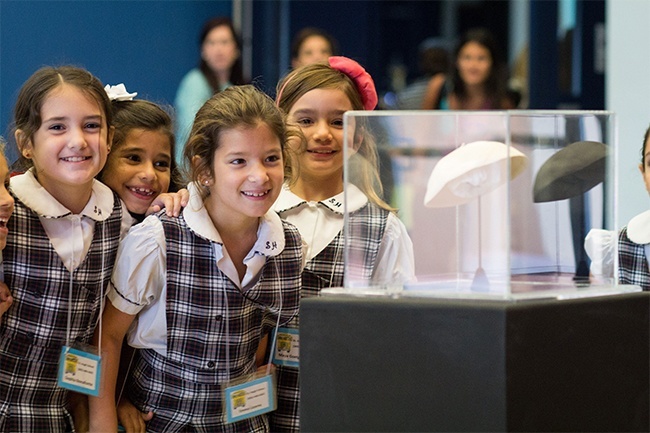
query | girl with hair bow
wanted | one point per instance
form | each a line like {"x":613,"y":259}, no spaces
{"x":315,"y":98}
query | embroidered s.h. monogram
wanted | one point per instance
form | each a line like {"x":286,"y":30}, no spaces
{"x":334,"y":202}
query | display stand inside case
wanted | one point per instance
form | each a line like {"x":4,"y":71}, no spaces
{"x":501,"y":327}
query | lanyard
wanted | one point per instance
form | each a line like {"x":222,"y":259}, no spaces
{"x":76,"y":220}
{"x":277,"y":325}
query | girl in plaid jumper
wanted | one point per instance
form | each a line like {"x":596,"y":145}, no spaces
{"x":62,"y":241}
{"x":141,"y":169}
{"x":61,"y":245}
{"x":315,"y":97}
{"x":633,"y":240}
{"x":207,"y":286}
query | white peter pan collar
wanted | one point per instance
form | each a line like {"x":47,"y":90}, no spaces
{"x":33,"y":195}
{"x":270,"y":232}
{"x":356,"y":200}
{"x":638,"y":229}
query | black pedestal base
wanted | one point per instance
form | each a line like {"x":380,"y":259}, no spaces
{"x":373,"y":364}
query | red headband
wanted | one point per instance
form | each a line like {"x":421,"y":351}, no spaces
{"x":362,"y":80}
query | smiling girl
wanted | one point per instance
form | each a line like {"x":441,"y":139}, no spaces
{"x":62,"y":242}
{"x":141,"y":164}
{"x":206,"y":286}
{"x":316,"y":97}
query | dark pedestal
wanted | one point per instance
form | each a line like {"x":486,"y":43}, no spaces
{"x":415,"y":365}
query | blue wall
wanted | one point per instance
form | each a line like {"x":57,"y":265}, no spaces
{"x":148,"y":45}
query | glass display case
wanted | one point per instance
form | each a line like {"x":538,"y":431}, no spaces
{"x":496,"y":204}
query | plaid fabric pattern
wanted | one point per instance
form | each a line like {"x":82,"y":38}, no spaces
{"x":366,"y":230}
{"x":201,"y":303}
{"x":179,"y":404}
{"x":632,"y":262}
{"x":34,"y":329}
{"x":365,"y":233}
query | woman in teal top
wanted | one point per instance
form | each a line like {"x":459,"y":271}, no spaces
{"x":220,"y":67}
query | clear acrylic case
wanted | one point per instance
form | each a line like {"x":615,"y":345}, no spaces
{"x":497,"y":204}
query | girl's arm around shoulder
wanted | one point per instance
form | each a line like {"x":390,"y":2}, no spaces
{"x":172,"y":202}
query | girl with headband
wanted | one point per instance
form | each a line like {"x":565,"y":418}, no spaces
{"x":315,"y":98}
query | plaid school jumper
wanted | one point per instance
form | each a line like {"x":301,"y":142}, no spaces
{"x":206,"y":313}
{"x":326,"y":270}
{"x":632,"y":262}
{"x":34,"y":329}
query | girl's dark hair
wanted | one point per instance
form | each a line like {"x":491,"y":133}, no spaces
{"x":32,"y":95}
{"x":495,"y":83}
{"x":235,"y":107}
{"x":129,"y":115}
{"x":237,"y":70}
{"x":307,"y":32}
{"x":646,"y":137}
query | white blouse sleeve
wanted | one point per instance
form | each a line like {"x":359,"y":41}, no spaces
{"x":127,"y":221}
{"x":600,"y":246}
{"x":395,"y":260}
{"x":140,"y":267}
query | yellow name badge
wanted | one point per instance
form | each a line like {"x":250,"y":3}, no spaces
{"x":79,"y":371}
{"x":287,"y":347}
{"x":248,"y":399}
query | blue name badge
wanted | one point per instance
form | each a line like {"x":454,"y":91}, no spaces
{"x":287,"y":347}
{"x":79,"y":371}
{"x":249,"y":399}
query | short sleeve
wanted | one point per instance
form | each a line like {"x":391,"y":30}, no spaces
{"x":600,"y":246}
{"x":395,"y":260}
{"x":140,"y":267}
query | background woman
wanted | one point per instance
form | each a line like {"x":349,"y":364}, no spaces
{"x":220,"y":67}
{"x":477,"y":81}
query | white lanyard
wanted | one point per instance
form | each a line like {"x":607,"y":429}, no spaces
{"x":277,"y":325}
{"x":77,"y":220}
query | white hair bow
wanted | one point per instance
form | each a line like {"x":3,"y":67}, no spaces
{"x":119,"y":93}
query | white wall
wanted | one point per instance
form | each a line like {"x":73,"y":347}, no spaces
{"x":627,"y":93}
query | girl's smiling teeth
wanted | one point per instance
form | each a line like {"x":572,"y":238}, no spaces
{"x":256,"y":194}
{"x":75,"y":158}
{"x":322,"y":151}
{"x":141,"y":191}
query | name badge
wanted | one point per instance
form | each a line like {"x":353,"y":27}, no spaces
{"x":249,"y":399}
{"x":79,"y":371}
{"x":287,"y":347}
